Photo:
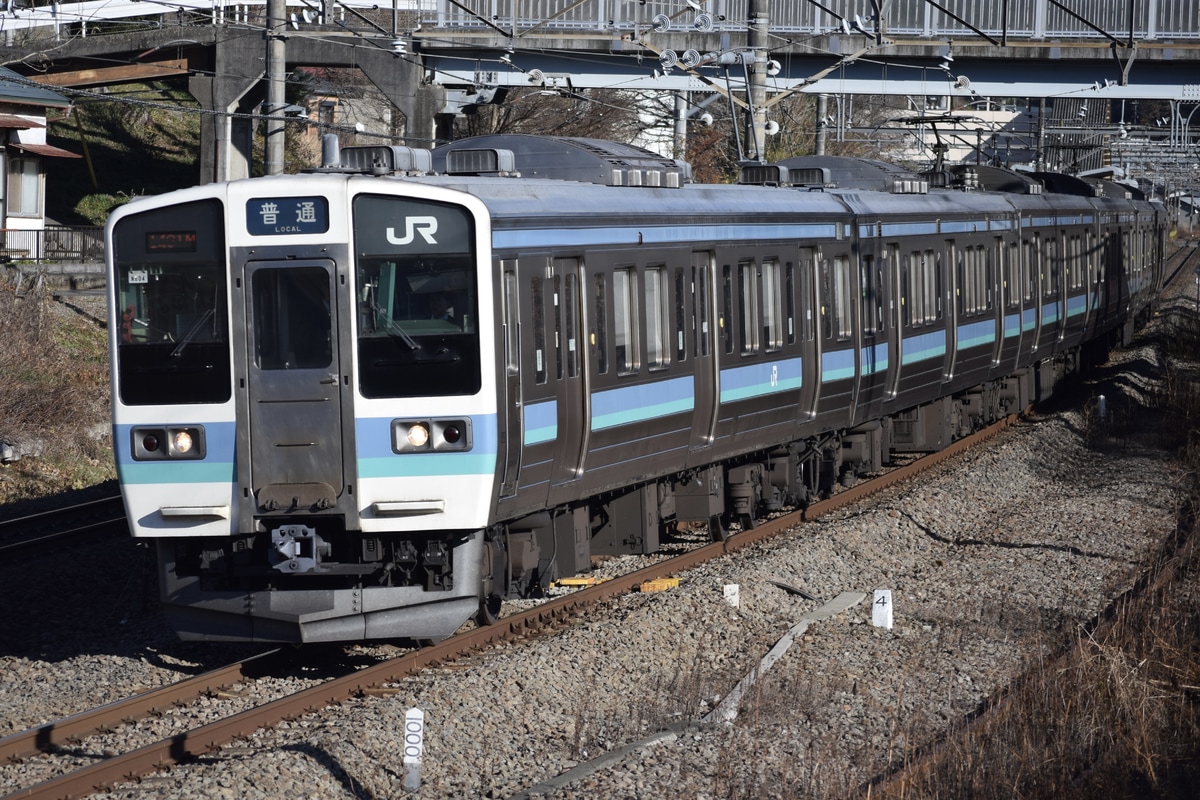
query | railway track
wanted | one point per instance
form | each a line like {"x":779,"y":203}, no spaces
{"x":30,"y":534}
{"x":195,"y":743}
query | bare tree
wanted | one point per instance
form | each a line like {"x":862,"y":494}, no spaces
{"x":593,"y":113}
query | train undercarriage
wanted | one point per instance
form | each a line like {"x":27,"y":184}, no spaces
{"x":523,"y":557}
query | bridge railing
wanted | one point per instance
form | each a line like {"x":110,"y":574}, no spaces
{"x":1036,"y":20}
{"x":1016,"y":19}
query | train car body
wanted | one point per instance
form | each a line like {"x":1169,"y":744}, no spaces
{"x":370,"y":401}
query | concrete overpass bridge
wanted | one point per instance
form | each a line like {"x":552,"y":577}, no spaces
{"x":431,"y":58}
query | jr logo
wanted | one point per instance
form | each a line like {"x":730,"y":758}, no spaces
{"x":426,"y":226}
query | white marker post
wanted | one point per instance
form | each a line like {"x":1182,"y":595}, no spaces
{"x":414,"y":746}
{"x":732,"y":595}
{"x":881,"y":609}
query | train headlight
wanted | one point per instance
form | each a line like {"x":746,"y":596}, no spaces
{"x":438,"y":435}
{"x":170,"y":442}
{"x":418,"y":435}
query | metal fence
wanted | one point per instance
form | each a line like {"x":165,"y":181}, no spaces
{"x":55,"y":243}
{"x":1017,"y":19}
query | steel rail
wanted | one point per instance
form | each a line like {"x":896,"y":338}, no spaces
{"x":191,"y":745}
{"x":69,"y":730}
{"x":17,"y":522}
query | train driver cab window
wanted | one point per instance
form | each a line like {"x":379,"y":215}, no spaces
{"x":416,"y":298}
{"x":171,"y":286}
{"x":625,"y":331}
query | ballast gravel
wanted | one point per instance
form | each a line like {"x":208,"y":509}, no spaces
{"x":992,"y":561}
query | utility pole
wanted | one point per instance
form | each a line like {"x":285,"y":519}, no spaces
{"x":276,"y":66}
{"x":758,"y":40}
{"x":680,"y":145}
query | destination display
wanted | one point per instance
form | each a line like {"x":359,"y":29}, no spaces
{"x":281,"y":216}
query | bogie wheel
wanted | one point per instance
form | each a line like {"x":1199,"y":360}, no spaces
{"x":489,"y":610}
{"x":717,"y":529}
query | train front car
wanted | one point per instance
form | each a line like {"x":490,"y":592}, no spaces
{"x":301,"y":417}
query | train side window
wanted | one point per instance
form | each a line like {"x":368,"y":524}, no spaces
{"x":789,"y":300}
{"x":870,"y":294}
{"x":512,"y":337}
{"x":726,"y":321}
{"x":887,"y":274}
{"x":571,"y":324}
{"x":933,"y":286}
{"x":772,"y":322}
{"x":600,"y":341}
{"x":957,"y":262}
{"x":680,"y":315}
{"x":657,"y":319}
{"x":1011,"y":269}
{"x":989,"y":278}
{"x":807,"y":300}
{"x":835,"y":290}
{"x":827,"y":311}
{"x":700,"y":311}
{"x":1032,"y":273}
{"x":844,"y":297}
{"x":555,"y":282}
{"x":1050,"y":276}
{"x":625,"y":321}
{"x":539,"y":330}
{"x":748,"y":305}
{"x":918,"y":300}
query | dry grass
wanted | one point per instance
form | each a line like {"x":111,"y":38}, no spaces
{"x":1115,"y":713}
{"x":54,"y":396}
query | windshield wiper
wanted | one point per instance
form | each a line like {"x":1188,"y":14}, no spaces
{"x":393,"y":328}
{"x":191,"y":333}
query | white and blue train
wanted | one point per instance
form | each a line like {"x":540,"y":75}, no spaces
{"x":372,"y":400}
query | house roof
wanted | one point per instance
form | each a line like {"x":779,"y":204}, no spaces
{"x":20,"y":91}
{"x":13,"y":121}
{"x":43,"y":150}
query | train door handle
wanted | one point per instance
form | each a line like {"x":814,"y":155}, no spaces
{"x":331,"y":379}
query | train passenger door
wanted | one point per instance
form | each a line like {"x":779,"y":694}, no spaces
{"x":893,"y":314}
{"x":952,"y":280}
{"x":512,"y":432}
{"x":873,"y":347}
{"x":1031,"y":316}
{"x":292,"y":378}
{"x":563,"y":303}
{"x":1004,"y":287}
{"x":703,"y":360}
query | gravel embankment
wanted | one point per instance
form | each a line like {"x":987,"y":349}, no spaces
{"x":992,"y":561}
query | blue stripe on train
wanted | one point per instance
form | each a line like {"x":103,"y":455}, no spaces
{"x":377,"y":460}
{"x":217,"y":466}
